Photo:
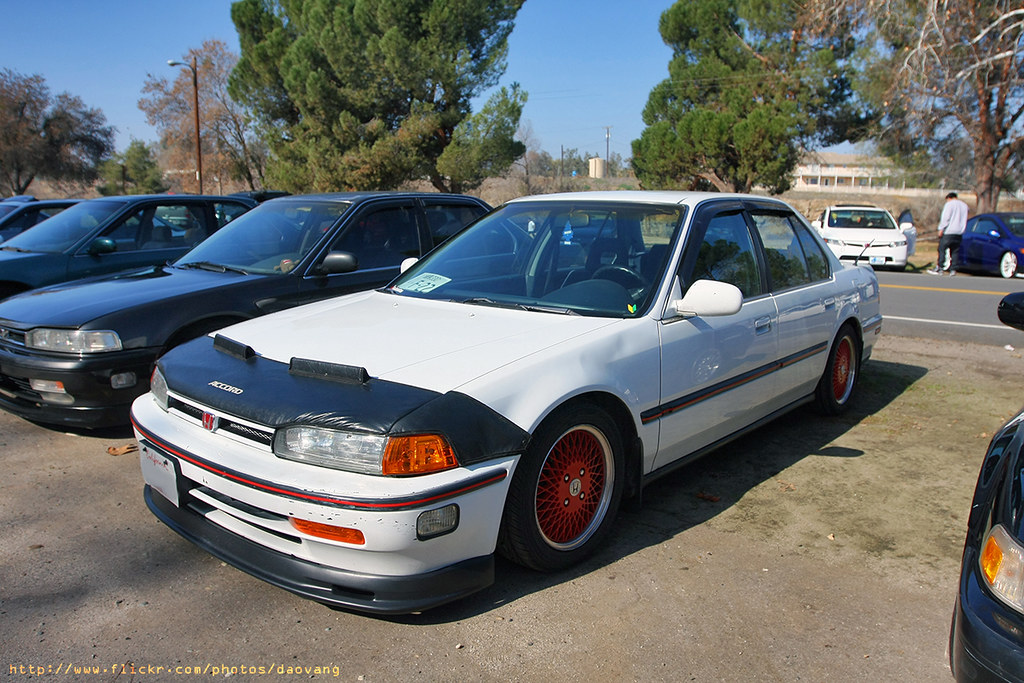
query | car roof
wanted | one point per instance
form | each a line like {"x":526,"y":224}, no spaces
{"x":358,"y":196}
{"x":857,"y":206}
{"x":642,"y":197}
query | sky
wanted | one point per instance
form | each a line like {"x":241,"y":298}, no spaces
{"x":587,"y":65}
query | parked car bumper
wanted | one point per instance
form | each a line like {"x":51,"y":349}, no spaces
{"x":875,"y":256}
{"x":89,"y":397}
{"x":986,"y":636}
{"x":250,"y":523}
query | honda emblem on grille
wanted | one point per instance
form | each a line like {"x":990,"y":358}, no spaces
{"x":210,"y":421}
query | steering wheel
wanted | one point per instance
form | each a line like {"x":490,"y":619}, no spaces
{"x":619,"y":275}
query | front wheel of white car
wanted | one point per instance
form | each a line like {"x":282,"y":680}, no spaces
{"x":565,"y":492}
{"x":1008,"y":265}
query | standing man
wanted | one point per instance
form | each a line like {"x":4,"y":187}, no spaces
{"x":951,"y":232}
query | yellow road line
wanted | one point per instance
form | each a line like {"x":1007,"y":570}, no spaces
{"x":942,"y":289}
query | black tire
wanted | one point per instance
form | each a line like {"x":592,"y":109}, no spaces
{"x":566,"y":490}
{"x":835,"y":388}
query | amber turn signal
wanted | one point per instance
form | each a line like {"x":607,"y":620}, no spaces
{"x":418,"y":454}
{"x":331,"y":533}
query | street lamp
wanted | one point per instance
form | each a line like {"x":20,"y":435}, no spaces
{"x":195,"y":109}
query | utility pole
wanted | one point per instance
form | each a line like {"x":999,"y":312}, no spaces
{"x":607,"y":146}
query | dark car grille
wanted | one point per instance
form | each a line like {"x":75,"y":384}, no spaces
{"x":12,"y":337}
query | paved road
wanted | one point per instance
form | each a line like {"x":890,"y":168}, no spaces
{"x":961,"y":308}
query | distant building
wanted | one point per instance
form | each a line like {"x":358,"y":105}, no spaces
{"x":832,"y":171}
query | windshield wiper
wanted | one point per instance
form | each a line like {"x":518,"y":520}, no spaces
{"x":17,"y":249}
{"x":215,"y":267}
{"x":536,"y":308}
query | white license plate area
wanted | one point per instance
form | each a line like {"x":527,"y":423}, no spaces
{"x":876,"y":260}
{"x":160,"y":472}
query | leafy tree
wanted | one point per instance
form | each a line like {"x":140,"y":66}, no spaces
{"x":229,"y":144}
{"x":56,"y":138}
{"x":370,"y":93}
{"x":133,"y":172}
{"x":950,"y":81}
{"x":745,"y":91}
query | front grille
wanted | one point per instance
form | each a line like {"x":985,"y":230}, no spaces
{"x":264,"y":437}
{"x":12,"y":337}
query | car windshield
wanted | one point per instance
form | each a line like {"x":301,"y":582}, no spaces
{"x":861,"y":218}
{"x":7,"y":208}
{"x":271,"y":239}
{"x":1014,"y":223}
{"x":66,"y":229}
{"x":599,"y":258}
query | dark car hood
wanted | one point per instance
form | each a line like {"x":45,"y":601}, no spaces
{"x":76,"y":303}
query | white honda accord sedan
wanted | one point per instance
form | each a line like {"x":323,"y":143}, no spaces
{"x":504,"y":395}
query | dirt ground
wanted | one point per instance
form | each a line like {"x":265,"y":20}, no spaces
{"x":814,"y":549}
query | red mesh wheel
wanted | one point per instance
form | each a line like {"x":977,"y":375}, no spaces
{"x":573,"y":490}
{"x":843,"y":370}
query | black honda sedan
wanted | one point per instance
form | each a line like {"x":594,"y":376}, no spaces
{"x":986,"y":642}
{"x":78,"y":354}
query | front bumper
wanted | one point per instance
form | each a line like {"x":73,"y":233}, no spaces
{"x":328,"y":585}
{"x":986,"y":641}
{"x":91,"y":401}
{"x":232,"y":497}
{"x":875,"y":256}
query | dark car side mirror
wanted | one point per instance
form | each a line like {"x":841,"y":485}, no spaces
{"x":102,"y":245}
{"x":1011,"y":310}
{"x":338,"y":262}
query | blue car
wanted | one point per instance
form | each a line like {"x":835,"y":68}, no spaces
{"x":18,"y":215}
{"x":993,"y":243}
{"x":106,"y":235}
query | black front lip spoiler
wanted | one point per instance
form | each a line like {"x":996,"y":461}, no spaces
{"x":334,"y":587}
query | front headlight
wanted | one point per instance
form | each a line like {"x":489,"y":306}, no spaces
{"x":365,"y":453}
{"x":158,"y":387}
{"x":73,"y":341}
{"x":1002,"y":565}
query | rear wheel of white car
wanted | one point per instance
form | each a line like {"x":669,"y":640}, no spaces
{"x":835,"y":388}
{"x":566,"y":490}
{"x":1008,"y":264}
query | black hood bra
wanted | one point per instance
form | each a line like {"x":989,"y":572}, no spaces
{"x":227,"y":376}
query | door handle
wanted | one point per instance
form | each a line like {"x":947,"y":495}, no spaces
{"x":830,"y":302}
{"x":762,"y":325}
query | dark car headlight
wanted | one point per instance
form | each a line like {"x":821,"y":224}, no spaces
{"x":72,"y":341}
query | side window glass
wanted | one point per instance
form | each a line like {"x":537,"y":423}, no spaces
{"x":381,"y":238}
{"x":444,"y":220}
{"x":727,"y":255}
{"x":177,"y":226}
{"x":985,"y":226}
{"x":817,"y":263}
{"x":227,"y":212}
{"x":783,"y":253}
{"x":125,"y":233}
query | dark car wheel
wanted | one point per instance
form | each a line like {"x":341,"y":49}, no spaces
{"x":1008,"y":264}
{"x":835,"y":388}
{"x":566,"y":490}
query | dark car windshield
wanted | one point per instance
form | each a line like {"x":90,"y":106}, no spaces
{"x":7,"y":208}
{"x":600,"y":258}
{"x":271,"y":239}
{"x":67,"y":228}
